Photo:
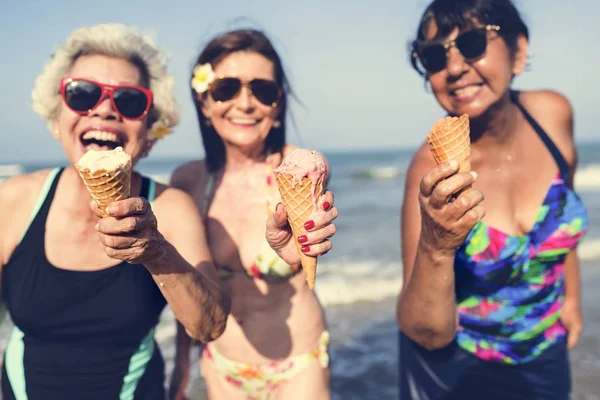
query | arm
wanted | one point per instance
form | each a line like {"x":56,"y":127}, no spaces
{"x":563,"y":136}
{"x":183,"y":342}
{"x":432,"y":230}
{"x":186,"y":274}
{"x":178,"y":261}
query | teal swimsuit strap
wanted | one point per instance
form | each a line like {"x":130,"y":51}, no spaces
{"x":41,"y":197}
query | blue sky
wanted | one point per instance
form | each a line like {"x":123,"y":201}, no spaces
{"x":347,"y":61}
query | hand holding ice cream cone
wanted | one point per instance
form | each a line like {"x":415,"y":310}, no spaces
{"x":445,"y":223}
{"x":131,"y":234}
{"x":300,"y":229}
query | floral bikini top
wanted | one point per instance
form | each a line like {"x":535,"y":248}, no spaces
{"x":510,"y":289}
{"x":268,"y":265}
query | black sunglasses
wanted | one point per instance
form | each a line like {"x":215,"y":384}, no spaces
{"x":265,"y":91}
{"x":83,"y":95}
{"x":471,"y":44}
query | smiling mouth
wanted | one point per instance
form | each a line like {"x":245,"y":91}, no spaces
{"x":101,"y":140}
{"x":243,"y":121}
{"x":465,"y":91}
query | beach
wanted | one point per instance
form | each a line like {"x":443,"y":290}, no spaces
{"x":358,"y":281}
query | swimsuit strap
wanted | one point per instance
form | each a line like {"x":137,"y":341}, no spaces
{"x":563,"y":166}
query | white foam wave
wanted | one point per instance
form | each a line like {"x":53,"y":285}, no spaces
{"x":589,"y":249}
{"x":588,"y":177}
{"x":346,"y":283}
{"x":378,"y":173}
{"x":161,"y":178}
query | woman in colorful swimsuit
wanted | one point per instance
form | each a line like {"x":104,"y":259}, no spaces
{"x":275,"y":343}
{"x":491,"y":297}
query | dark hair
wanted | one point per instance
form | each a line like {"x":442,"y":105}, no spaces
{"x":215,"y":51}
{"x":462,"y":14}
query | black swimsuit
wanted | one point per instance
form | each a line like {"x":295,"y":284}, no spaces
{"x":79,"y":334}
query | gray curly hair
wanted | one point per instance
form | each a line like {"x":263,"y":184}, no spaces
{"x":115,"y":40}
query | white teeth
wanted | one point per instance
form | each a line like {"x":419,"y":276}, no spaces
{"x":101,"y":135}
{"x":243,"y":121}
{"x":466,"y":90}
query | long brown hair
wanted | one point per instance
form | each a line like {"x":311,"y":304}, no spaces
{"x":215,"y":51}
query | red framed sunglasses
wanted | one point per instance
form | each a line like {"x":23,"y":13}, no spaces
{"x":84,"y":95}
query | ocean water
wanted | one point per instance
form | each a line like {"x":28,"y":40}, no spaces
{"x":358,"y":281}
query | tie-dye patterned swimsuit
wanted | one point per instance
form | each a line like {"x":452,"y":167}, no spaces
{"x":510,"y":289}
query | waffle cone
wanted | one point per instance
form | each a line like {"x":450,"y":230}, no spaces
{"x":106,"y":187}
{"x":450,"y":139}
{"x":300,"y":205}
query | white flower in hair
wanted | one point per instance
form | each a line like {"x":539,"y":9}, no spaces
{"x":203,"y":77}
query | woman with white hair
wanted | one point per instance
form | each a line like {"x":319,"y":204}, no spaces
{"x":85,"y":293}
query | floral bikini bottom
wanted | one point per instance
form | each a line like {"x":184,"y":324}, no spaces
{"x":257,"y":381}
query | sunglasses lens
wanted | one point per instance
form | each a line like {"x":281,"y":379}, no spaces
{"x":225,"y":89}
{"x":130,"y":102}
{"x":82,"y":95}
{"x":433,"y":57}
{"x":267,"y":92}
{"x":472,"y":44}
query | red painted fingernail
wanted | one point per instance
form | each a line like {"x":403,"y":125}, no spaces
{"x":309,"y":225}
{"x":302,"y":238}
{"x":305,"y":249}
{"x":326,"y":206}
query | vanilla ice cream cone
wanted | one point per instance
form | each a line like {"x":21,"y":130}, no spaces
{"x":107,"y":176}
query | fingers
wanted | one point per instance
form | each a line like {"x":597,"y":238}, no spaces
{"x":114,"y":226}
{"x":472,"y":216}
{"x":573,"y":338}
{"x":432,"y":179}
{"x":319,"y":229}
{"x":121,"y":242}
{"x":465,"y":202}
{"x":322,"y":218}
{"x":327,"y":200}
{"x":444,"y":190}
{"x":317,"y":236}
{"x":128,"y":207}
{"x":317,"y":249}
{"x":95,"y":209}
{"x":278,"y":220}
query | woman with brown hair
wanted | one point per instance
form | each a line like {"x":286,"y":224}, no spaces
{"x":275,"y":343}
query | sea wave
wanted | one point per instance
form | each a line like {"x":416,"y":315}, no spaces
{"x":379,"y":173}
{"x":350,"y":282}
{"x":589,"y":250}
{"x":588,"y":177}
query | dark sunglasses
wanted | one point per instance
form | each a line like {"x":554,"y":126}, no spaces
{"x":84,"y":95}
{"x":265,"y":91}
{"x":471,"y":44}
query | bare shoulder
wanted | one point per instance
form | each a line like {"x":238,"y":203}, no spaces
{"x":421,"y":163}
{"x":172,"y":204}
{"x":189,"y":175}
{"x":554,"y":113}
{"x":17,"y":191}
